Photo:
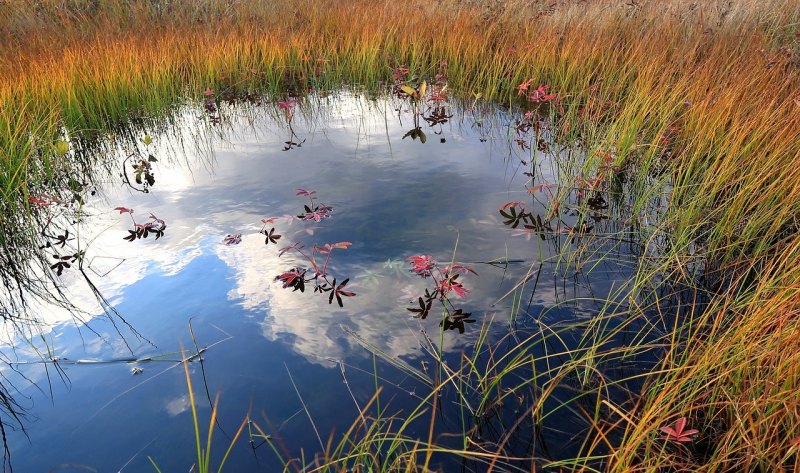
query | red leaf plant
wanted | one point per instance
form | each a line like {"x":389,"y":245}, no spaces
{"x":400,"y":73}
{"x":678,"y":432}
{"x":317,"y":274}
{"x":422,"y":265}
{"x":537,"y":95}
{"x":233,"y":239}
{"x":288,"y":106}
{"x":155,"y":226}
{"x":445,"y":281}
{"x":444,"y":278}
{"x":43,"y":200}
{"x":540,"y":95}
{"x":522,"y":89}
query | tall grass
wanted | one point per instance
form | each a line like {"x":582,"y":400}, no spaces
{"x":204,"y":463}
{"x":705,"y":94}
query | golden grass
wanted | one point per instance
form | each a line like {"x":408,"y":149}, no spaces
{"x":709,"y":91}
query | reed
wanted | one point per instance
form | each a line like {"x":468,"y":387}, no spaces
{"x":204,"y":462}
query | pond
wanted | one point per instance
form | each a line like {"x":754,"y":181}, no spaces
{"x":313,"y":252}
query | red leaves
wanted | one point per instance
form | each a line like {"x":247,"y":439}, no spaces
{"x":301,"y":191}
{"x":438,"y":94}
{"x":678,"y":432}
{"x":318,"y":272}
{"x":400,"y":73}
{"x":317,"y":214}
{"x":449,"y":283}
{"x":288,"y":107}
{"x":287,"y":218}
{"x":537,"y":95}
{"x":422,"y":265}
{"x":540,"y":95}
{"x":288,"y":277}
{"x":327,"y":247}
{"x":287,"y":104}
{"x":233,"y":239}
{"x":39,"y":202}
{"x":445,"y":280}
{"x":508,"y":205}
{"x":43,"y":200}
{"x":155,"y":226}
{"x":294,"y":279}
{"x":522,"y":89}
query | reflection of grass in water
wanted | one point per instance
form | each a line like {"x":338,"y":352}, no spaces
{"x":703,"y":96}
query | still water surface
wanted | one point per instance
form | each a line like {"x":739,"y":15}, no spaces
{"x":392,"y":198}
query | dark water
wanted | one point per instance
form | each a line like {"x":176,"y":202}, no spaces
{"x":392,"y":198}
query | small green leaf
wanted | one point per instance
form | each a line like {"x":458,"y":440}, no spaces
{"x":422,"y":136}
{"x":147,"y":139}
{"x":151,"y":158}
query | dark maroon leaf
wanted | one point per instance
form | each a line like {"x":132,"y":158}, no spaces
{"x":339,"y":292}
{"x":424,"y":307}
{"x":272,"y":237}
{"x":456,"y":320}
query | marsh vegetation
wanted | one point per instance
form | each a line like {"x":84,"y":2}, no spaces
{"x":510,"y":235}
